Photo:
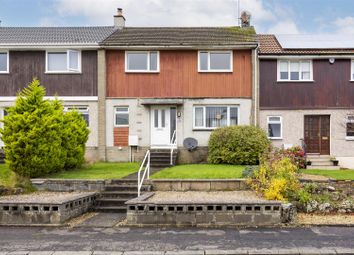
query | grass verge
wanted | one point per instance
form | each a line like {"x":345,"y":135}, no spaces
{"x":335,"y":174}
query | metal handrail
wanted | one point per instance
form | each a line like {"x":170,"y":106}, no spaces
{"x":146,"y":170}
{"x":173,"y":142}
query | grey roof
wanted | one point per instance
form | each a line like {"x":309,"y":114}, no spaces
{"x":53,"y":35}
{"x":181,"y":36}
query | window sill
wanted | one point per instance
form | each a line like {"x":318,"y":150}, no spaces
{"x":204,"y":129}
{"x":349,"y":138}
{"x":121,"y":126}
{"x":286,"y":81}
{"x":4,"y":72}
{"x":152,"y":72}
{"x":275,"y":138}
{"x":215,"y":71}
{"x":64,"y":72}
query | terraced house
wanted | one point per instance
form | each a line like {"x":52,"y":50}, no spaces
{"x":166,"y":84}
{"x":64,"y":59}
{"x":306,"y":95}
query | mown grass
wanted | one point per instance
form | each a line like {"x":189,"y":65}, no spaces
{"x":101,"y":170}
{"x":335,"y":174}
{"x":200,"y":171}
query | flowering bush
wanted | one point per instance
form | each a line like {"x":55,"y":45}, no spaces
{"x":295,"y":154}
{"x":276,"y":178}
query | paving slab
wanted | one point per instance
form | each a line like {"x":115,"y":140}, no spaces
{"x":72,"y":253}
{"x":18,"y":253}
{"x":319,"y":251}
{"x":184,"y":253}
{"x":107,"y":253}
{"x":144,"y":253}
{"x":227,"y":252}
{"x":344,"y":251}
{"x":103,"y":220}
{"x":41,"y":253}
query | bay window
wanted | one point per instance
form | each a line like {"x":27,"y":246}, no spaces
{"x":295,"y":70}
{"x":63,"y":61}
{"x":211,"y":117}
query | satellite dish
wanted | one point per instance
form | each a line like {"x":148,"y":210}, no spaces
{"x":190,"y":143}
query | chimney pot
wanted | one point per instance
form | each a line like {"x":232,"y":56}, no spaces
{"x":119,"y":20}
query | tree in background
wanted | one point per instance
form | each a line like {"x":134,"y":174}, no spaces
{"x":36,"y":134}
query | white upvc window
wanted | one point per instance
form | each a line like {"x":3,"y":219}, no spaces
{"x":350,"y":127}
{"x":214,"y":116}
{"x":275,"y":127}
{"x":352,"y":70}
{"x":4,"y":62}
{"x":121,"y":116}
{"x":215,"y":61}
{"x":83,"y":110}
{"x":142,"y":61}
{"x":295,"y":70}
{"x":67,"y":61}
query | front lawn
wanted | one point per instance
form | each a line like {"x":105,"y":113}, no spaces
{"x":200,"y":171}
{"x":335,"y":174}
{"x":100,"y":170}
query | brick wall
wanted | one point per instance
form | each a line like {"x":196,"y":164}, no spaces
{"x":120,"y":135}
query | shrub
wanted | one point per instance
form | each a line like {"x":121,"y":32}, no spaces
{"x":249,"y":171}
{"x":36,"y":134}
{"x":296,"y":155}
{"x":238,"y":145}
{"x":276,"y":179}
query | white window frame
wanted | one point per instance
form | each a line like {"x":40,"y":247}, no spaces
{"x":216,"y":70}
{"x":300,"y":70}
{"x":2,"y":116}
{"x":120,"y":112}
{"x":8,"y":62}
{"x":275,"y":122}
{"x":351,"y":70}
{"x":81,"y":109}
{"x":68,"y":69}
{"x":347,"y":120}
{"x":204,"y":127}
{"x":148,"y":62}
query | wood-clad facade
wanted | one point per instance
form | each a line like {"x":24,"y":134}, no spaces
{"x":25,"y":65}
{"x":331,"y":87}
{"x":179,"y":77}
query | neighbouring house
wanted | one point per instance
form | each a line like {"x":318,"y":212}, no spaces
{"x":65,"y":60}
{"x":307,"y":95}
{"x":166,"y":84}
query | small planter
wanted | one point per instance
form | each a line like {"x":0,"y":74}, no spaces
{"x":335,"y":162}
{"x":308,"y":163}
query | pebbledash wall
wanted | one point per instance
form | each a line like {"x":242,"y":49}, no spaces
{"x":293,"y":131}
{"x":139,"y":124}
{"x":91,"y":103}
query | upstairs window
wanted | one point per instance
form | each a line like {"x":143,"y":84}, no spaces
{"x":4,"y":62}
{"x":350,"y":127}
{"x":215,"y":61}
{"x":63,"y":61}
{"x":142,"y":61}
{"x":352,"y":71}
{"x":211,"y":117}
{"x":274,"y":127}
{"x":121,"y":116}
{"x":295,"y":70}
{"x":83,"y":110}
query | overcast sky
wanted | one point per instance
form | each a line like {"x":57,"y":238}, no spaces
{"x":268,"y":16}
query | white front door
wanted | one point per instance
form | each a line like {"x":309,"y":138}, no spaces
{"x":160,"y":126}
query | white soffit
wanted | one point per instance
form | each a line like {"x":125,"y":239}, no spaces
{"x":316,"y":41}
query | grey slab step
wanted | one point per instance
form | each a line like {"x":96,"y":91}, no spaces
{"x":110,"y":209}
{"x":321,"y":163}
{"x":330,"y":167}
{"x":126,"y":187}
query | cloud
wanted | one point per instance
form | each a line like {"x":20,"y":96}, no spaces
{"x":344,"y":25}
{"x":164,"y":13}
{"x":284,"y":27}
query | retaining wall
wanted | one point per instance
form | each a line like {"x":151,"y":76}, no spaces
{"x":199,"y":185}
{"x":20,"y":213}
{"x":345,"y":186}
{"x":69,"y":185}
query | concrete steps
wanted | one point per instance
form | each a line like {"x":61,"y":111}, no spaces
{"x":321,"y":162}
{"x":113,"y":198}
{"x":161,"y":158}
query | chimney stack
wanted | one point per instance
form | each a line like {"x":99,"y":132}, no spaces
{"x":245,"y":19}
{"x":119,"y":20}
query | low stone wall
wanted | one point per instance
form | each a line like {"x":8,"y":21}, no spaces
{"x":199,"y":185}
{"x":141,"y":212}
{"x":68,"y":185}
{"x":345,"y":186}
{"x":21,"y":213}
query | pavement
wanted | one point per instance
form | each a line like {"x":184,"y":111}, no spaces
{"x":178,"y":241}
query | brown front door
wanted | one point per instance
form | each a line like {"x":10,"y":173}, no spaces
{"x":317,"y":134}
